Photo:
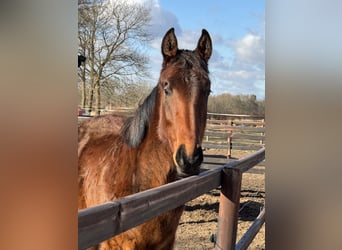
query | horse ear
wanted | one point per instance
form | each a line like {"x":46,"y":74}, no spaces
{"x":169,"y":44}
{"x":204,"y":46}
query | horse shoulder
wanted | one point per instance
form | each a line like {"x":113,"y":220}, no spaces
{"x":99,"y":146}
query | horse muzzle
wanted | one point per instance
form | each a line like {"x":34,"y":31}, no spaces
{"x":188,"y":165}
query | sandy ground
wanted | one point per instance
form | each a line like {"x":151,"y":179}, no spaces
{"x":198,"y":224}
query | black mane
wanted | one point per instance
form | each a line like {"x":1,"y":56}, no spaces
{"x":135,"y":128}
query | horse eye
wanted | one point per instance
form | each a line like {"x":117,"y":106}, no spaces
{"x":167,"y":89}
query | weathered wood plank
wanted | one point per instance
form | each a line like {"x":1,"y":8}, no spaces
{"x":248,"y":162}
{"x":104,"y":221}
{"x":250,"y":122}
{"x":247,"y":146}
{"x":237,"y":115}
{"x":235,"y":128}
{"x":252,"y":231}
{"x":218,"y":134}
{"x":97,"y":224}
{"x":248,"y":136}
{"x":213,"y":145}
{"x":167,"y":197}
{"x":235,"y":146}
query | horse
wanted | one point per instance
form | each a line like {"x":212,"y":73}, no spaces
{"x":160,"y":143}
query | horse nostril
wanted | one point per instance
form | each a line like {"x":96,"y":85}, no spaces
{"x":189,"y":163}
{"x":181,"y":156}
{"x":198,"y":155}
{"x":198,"y":150}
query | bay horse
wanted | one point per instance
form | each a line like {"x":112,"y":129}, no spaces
{"x":158,"y":145}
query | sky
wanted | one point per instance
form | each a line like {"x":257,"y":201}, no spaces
{"x":237,"y":30}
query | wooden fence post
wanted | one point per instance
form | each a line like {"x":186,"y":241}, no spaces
{"x":229,"y":143}
{"x":229,"y":139}
{"x":262,"y":133}
{"x":229,"y":209}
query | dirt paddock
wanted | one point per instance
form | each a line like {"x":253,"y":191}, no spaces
{"x":198,"y":225}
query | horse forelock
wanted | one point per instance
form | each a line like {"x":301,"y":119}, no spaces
{"x":188,"y":58}
{"x":193,"y":69}
{"x":135,"y":128}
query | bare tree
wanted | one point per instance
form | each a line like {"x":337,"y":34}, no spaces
{"x":111,"y":35}
{"x":124,"y":93}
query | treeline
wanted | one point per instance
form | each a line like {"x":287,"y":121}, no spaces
{"x":236,"y":104}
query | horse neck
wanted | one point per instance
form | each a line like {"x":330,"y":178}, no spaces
{"x":156,"y":153}
{"x":153,"y":139}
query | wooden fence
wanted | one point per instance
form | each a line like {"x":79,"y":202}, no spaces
{"x":223,"y":131}
{"x":234,"y":132}
{"x":101,"y":222}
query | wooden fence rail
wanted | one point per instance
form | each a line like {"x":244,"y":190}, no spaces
{"x":101,"y":222}
{"x":238,"y":134}
{"x":223,"y":131}
{"x":248,"y":237}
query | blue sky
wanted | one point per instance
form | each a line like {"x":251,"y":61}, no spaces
{"x":237,"y":29}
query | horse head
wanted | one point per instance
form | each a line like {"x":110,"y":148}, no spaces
{"x":184,"y":87}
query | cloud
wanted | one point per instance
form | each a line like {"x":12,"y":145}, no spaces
{"x":250,"y":50}
{"x":236,"y":66}
{"x":244,"y":72}
{"x":161,"y":19}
